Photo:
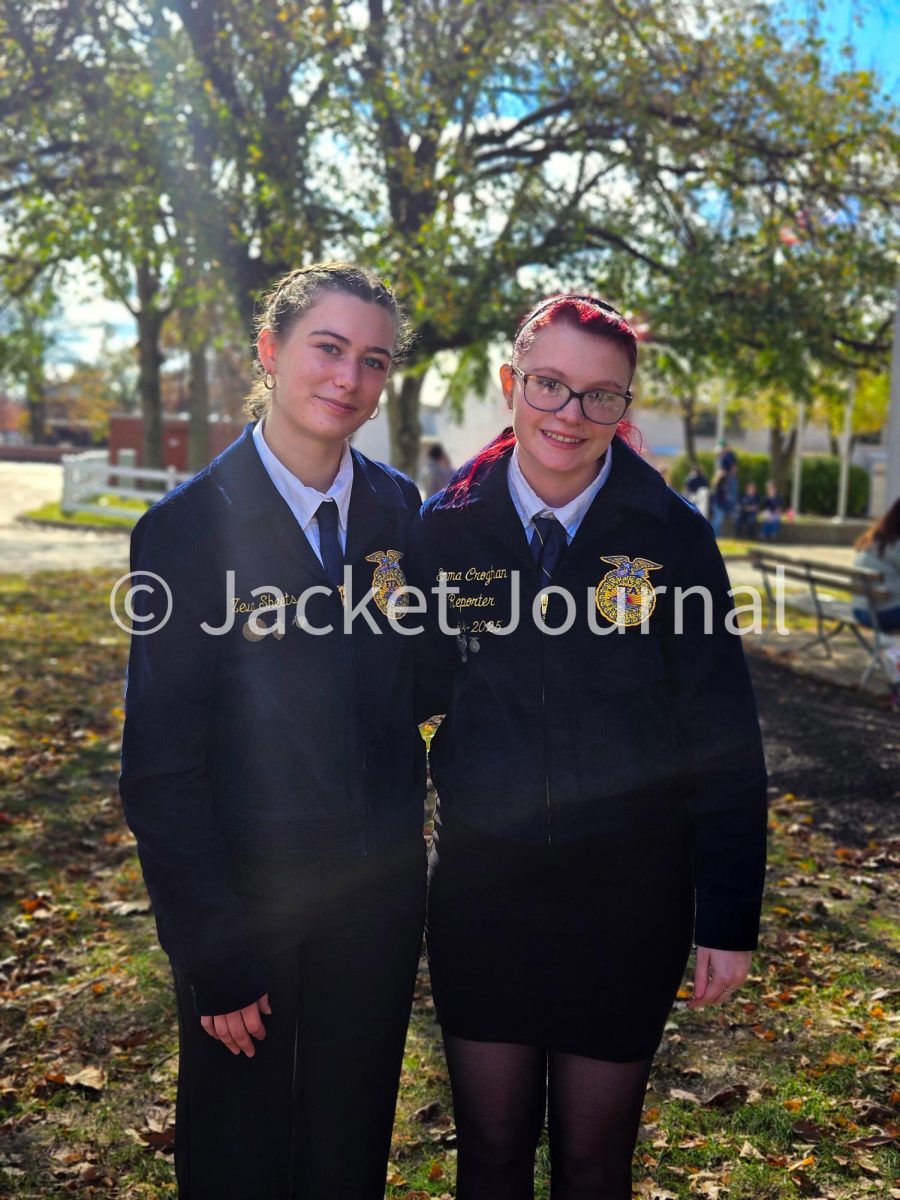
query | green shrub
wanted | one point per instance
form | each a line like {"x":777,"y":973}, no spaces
{"x":819,"y":483}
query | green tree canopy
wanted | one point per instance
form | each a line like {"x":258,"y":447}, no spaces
{"x":699,"y":164}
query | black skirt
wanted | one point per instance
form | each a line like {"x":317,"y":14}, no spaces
{"x":578,"y":949}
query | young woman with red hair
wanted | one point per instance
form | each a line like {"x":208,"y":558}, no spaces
{"x":602,"y":790}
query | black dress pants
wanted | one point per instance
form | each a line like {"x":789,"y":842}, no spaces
{"x":309,"y":1117}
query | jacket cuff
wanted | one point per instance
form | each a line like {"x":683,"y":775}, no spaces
{"x":229,"y":984}
{"x":726,"y":922}
{"x":729,"y":849}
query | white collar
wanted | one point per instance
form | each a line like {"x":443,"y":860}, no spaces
{"x":529,"y":505}
{"x":302,"y":500}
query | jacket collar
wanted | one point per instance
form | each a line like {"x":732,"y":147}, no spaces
{"x":249,"y":495}
{"x":632,"y":484}
{"x":634,"y":488}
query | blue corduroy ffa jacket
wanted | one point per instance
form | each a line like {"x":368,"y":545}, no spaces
{"x":279,"y":743}
{"x":618,"y":729}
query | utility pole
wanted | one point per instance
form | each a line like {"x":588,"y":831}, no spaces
{"x":892,"y":466}
{"x":798,"y":459}
{"x":846,"y":438}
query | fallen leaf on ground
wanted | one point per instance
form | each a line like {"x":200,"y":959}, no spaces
{"x":91,"y":1078}
{"x":872,"y":1140}
{"x":808,"y":1161}
{"x":127,"y":908}
{"x":808,"y":1131}
{"x":727,"y":1097}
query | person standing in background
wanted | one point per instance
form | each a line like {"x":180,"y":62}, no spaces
{"x":723,"y":498}
{"x":696,"y":489}
{"x":726,"y":459}
{"x":437,"y":471}
{"x":878,"y":549}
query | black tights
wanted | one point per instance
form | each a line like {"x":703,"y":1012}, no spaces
{"x":500,"y":1091}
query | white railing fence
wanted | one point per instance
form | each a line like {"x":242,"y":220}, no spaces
{"x":86,"y":475}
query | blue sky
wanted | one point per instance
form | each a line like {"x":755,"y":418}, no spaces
{"x":872,"y":27}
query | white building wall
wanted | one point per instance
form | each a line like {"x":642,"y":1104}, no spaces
{"x":662,"y":432}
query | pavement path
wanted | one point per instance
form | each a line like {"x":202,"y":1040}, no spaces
{"x":26,"y":548}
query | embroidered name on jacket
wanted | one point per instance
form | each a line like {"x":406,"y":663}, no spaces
{"x":625,"y":596}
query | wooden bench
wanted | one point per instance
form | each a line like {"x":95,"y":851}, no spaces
{"x":832,"y":616}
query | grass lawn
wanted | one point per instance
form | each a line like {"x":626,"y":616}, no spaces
{"x":53,"y":512}
{"x":791,"y":1091}
{"x":734,"y":547}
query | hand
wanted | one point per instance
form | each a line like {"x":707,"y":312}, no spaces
{"x":717,"y":974}
{"x":237,"y":1029}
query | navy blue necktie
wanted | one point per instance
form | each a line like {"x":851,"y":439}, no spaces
{"x":548,"y":545}
{"x":329,"y":542}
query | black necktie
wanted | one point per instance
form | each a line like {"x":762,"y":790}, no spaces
{"x":547,"y":546}
{"x":329,"y":542}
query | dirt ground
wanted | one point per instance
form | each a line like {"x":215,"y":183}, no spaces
{"x":834,"y":746}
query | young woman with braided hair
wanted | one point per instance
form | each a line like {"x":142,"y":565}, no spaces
{"x":273,"y":773}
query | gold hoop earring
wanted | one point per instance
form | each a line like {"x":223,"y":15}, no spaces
{"x":269,"y":381}
{"x":377,"y":413}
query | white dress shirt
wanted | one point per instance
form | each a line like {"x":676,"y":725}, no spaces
{"x":304,"y":501}
{"x":529,"y":505}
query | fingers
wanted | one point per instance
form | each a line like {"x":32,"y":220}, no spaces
{"x":717,"y":975}
{"x":717,"y":992}
{"x":253,"y":1022}
{"x":237,"y":1030}
{"x":226,"y":1027}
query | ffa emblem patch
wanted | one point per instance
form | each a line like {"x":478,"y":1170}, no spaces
{"x":625,"y":596}
{"x":387,"y":578}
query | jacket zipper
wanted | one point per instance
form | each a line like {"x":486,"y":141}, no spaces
{"x":360,"y":739}
{"x":545,"y":601}
{"x":546,"y":772}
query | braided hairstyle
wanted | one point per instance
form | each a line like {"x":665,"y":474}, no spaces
{"x":297,"y":291}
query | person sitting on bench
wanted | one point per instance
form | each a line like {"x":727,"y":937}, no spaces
{"x":878,"y":549}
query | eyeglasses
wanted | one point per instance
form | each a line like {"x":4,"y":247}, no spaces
{"x":551,"y":395}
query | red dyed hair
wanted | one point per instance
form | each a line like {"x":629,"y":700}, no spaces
{"x":587,"y":313}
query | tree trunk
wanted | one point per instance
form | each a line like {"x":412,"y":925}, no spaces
{"x":198,"y":430}
{"x":780,"y":451}
{"x":149,"y":323}
{"x":37,"y":407}
{"x":405,"y":427}
{"x":150,"y":361}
